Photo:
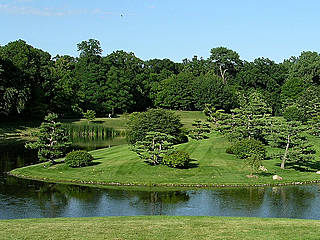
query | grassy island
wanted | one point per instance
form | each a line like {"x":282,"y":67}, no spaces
{"x":159,"y":227}
{"x":211,"y":166}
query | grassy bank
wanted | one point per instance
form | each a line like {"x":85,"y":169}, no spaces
{"x":159,"y":228}
{"x":211,"y":166}
{"x":26,"y":129}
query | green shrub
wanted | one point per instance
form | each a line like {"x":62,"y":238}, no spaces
{"x":154,"y":120}
{"x":248,"y":147}
{"x":294,"y":113}
{"x":78,"y":159}
{"x":230,"y":150}
{"x":177,"y":159}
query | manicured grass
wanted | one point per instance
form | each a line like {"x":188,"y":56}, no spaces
{"x":19,"y":129}
{"x":119,"y":123}
{"x":159,"y":227}
{"x":211,"y":166}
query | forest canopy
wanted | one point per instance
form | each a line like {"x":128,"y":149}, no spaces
{"x":33,"y":83}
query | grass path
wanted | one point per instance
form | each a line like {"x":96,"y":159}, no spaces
{"x":159,"y":227}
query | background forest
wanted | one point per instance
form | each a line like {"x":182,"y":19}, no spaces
{"x":32,"y":82}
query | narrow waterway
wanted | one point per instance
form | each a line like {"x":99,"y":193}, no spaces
{"x":31,"y":199}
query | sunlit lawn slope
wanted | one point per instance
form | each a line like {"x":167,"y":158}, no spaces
{"x":210,"y":166}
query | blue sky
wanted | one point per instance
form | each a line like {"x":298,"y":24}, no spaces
{"x":174,"y":29}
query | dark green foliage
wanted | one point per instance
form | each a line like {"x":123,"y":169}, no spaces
{"x":230,"y":150}
{"x":156,"y":120}
{"x":52,"y":140}
{"x":200,"y":131}
{"x":226,"y":62}
{"x":177,"y":159}
{"x":248,"y":121}
{"x":32,"y":83}
{"x":247,"y":148}
{"x":314,"y":125}
{"x":176,"y":92}
{"x":290,"y":136}
{"x":210,"y":89}
{"x":78,"y":159}
{"x":90,"y":115}
{"x":294,"y":113}
{"x":153,"y":147}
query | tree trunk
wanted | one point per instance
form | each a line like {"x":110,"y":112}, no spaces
{"x":286,"y":152}
{"x":223,"y":75}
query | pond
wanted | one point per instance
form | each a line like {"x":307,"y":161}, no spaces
{"x":32,"y":199}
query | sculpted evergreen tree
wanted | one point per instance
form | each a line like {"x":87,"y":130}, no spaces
{"x":53,"y":141}
{"x":153,"y":147}
{"x":248,"y":121}
{"x":288,"y":135}
{"x":200,"y":130}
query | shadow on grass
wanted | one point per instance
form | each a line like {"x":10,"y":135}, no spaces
{"x":97,"y":122}
{"x":95,"y":163}
{"x":192,"y":164}
{"x":306,"y":166}
{"x":265,"y":174}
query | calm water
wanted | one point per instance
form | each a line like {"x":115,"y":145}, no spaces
{"x":31,"y":199}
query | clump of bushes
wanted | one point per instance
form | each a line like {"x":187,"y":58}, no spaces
{"x":294,"y":113}
{"x":247,"y":148}
{"x":78,"y":159}
{"x":177,"y":159}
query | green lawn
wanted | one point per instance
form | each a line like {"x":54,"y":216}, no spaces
{"x":159,"y":227}
{"x":211,"y":166}
{"x":19,"y":129}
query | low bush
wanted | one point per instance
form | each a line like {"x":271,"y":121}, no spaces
{"x":229,"y":150}
{"x":78,"y":159}
{"x":294,"y":113}
{"x":247,"y":148}
{"x":177,"y":159}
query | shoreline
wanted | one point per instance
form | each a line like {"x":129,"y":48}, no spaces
{"x":174,"y":185}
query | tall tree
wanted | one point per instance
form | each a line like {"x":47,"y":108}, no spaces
{"x":89,"y":48}
{"x":226,"y":62}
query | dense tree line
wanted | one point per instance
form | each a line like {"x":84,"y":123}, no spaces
{"x":32,"y":82}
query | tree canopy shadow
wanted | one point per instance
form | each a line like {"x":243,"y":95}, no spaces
{"x":98,"y":122}
{"x":306,"y":166}
{"x":265,"y":174}
{"x":95,"y":163}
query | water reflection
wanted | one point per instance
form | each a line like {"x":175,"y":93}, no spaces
{"x":92,"y":136}
{"x":31,"y":199}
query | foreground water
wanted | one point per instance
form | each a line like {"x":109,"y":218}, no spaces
{"x":31,"y":199}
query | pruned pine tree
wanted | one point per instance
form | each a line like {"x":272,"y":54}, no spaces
{"x":200,"y":131}
{"x":52,"y":140}
{"x":248,"y":121}
{"x":290,"y":137}
{"x":314,"y":126}
{"x":153,"y":147}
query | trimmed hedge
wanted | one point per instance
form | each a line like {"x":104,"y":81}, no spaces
{"x":78,"y":159}
{"x":177,"y":159}
{"x":247,"y":148}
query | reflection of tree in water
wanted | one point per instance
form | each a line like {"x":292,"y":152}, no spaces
{"x":85,"y":194}
{"x":154,"y":202}
{"x":13,"y":154}
{"x":52,"y":201}
{"x":248,"y":198}
{"x":292,"y":201}
{"x":56,"y":197}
